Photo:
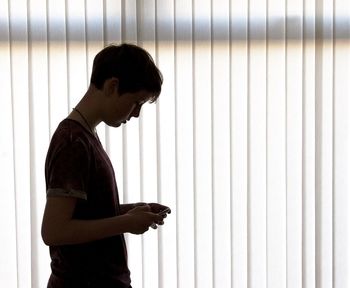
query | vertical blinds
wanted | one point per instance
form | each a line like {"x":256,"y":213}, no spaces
{"x":248,"y":143}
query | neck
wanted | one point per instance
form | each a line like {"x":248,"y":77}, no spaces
{"x":85,"y":121}
{"x":84,"y":114}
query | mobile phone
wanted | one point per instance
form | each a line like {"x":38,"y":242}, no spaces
{"x":165,"y":211}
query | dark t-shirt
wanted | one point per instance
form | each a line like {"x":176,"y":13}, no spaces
{"x":77,"y":166}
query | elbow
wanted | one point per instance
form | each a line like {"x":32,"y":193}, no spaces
{"x":55,"y":235}
{"x":49,"y":236}
{"x":47,"y":242}
{"x":51,"y":240}
{"x":46,"y":237}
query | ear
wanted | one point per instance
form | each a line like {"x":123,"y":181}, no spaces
{"x":110,"y":86}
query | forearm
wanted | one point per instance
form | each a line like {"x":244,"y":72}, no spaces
{"x":77,"y":231}
{"x":60,"y":228}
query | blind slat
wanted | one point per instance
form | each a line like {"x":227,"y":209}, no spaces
{"x":247,"y":144}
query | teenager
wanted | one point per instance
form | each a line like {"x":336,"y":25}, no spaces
{"x":83,"y":222}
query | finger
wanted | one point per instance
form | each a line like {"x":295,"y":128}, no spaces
{"x":143,"y":208}
{"x":159,"y":218}
{"x":154,"y":217}
{"x":163,"y":215}
{"x":158,"y":208}
{"x":166,"y":210}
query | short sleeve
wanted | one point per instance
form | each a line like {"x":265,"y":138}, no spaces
{"x":68,"y":170}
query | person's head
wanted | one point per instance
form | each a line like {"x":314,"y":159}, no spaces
{"x":132,"y":65}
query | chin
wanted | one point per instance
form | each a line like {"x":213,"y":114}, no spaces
{"x":116,"y":124}
{"x":113,"y":124}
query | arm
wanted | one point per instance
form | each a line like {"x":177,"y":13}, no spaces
{"x":124,"y":208}
{"x":59,"y":228}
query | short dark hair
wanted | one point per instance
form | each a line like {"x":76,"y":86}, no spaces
{"x":132,"y":65}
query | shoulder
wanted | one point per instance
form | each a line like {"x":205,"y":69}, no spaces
{"x":70,"y":131}
{"x":69,"y":134}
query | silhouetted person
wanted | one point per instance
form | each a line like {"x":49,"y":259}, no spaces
{"x":84,"y":222}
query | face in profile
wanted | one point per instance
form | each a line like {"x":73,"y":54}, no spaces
{"x":126,"y":106}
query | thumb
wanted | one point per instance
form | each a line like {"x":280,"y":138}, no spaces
{"x":145,"y":208}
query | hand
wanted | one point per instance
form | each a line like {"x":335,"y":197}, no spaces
{"x":158,"y":208}
{"x":141,"y":218}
